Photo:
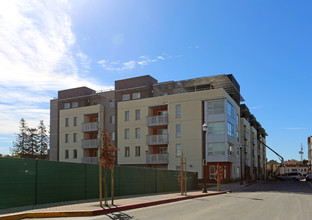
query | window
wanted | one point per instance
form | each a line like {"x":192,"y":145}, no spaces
{"x":178,"y":150}
{"x":178,"y":111}
{"x":66,"y":122}
{"x":164,"y":112}
{"x":75,"y":137}
{"x":162,"y":131}
{"x":137,"y":151}
{"x":74,"y":104}
{"x":112,"y":103}
{"x":215,"y":128}
{"x":137,"y":114}
{"x":75,"y":154}
{"x":66,"y":105}
{"x":178,"y":130}
{"x":230,"y":129}
{"x":137,"y":133}
{"x":237,"y":120}
{"x":230,"y":110}
{"x":127,"y":115}
{"x":113,"y":136}
{"x":230,"y":149}
{"x":127,"y":133}
{"x":75,"y":121}
{"x":136,"y":95}
{"x":112,"y":119}
{"x":216,"y":149}
{"x":237,"y":135}
{"x":66,"y":138}
{"x":212,"y":170}
{"x":66,"y":154}
{"x":125,"y":97}
{"x":127,"y":151}
{"x":215,"y":107}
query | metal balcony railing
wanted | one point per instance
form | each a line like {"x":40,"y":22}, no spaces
{"x":157,"y":139}
{"x":157,"y":159}
{"x":157,"y":120}
{"x":91,"y":160}
{"x":92,"y":126}
{"x":90,"y":143}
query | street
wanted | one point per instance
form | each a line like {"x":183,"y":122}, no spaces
{"x":269,"y":200}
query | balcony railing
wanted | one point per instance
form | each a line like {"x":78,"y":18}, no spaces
{"x":93,"y":126}
{"x":92,"y":160}
{"x":157,"y":139}
{"x":157,"y":159}
{"x":157,"y":120}
{"x":90,"y":143}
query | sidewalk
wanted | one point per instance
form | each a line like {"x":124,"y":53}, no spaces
{"x":92,"y":208}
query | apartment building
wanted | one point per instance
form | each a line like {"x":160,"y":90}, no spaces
{"x":154,"y":123}
{"x":77,"y":117}
{"x":310,"y":153}
{"x":252,"y":140}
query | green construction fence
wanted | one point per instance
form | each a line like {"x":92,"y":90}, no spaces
{"x":25,"y":182}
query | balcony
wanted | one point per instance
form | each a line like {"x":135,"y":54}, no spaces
{"x":91,"y":160}
{"x":157,"y":139}
{"x":90,"y":143}
{"x":157,"y":120}
{"x":157,"y":159}
{"x":88,"y":127}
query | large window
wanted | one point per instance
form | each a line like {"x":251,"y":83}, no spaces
{"x":66,"y":138}
{"x":74,"y":104}
{"x":66,"y":154}
{"x":230,"y":110}
{"x":74,"y":153}
{"x":137,"y":133}
{"x":215,"y":128}
{"x":127,"y":151}
{"x":127,"y":115}
{"x":136,"y":95}
{"x":66,"y":122}
{"x":212,"y":171}
{"x":66,"y":105}
{"x":178,"y":130}
{"x":216,"y":149}
{"x":127,"y":133}
{"x":178,"y":150}
{"x":137,"y":114}
{"x":137,"y":151}
{"x":230,"y":129}
{"x":215,"y":107}
{"x":75,"y":121}
{"x":178,"y":111}
{"x":75,"y":137}
{"x":112,"y":103}
{"x":125,"y":97}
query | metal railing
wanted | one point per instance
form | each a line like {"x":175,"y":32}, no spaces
{"x":90,"y":143}
{"x":157,"y":159}
{"x":157,"y":139}
{"x":157,"y":120}
{"x":91,"y":160}
{"x":92,"y":126}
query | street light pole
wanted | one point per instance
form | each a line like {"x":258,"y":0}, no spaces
{"x":204,"y":129}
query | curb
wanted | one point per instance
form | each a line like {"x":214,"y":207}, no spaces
{"x":103,"y":211}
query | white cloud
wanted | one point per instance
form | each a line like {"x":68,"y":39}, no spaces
{"x":117,"y":65}
{"x":38,"y":56}
{"x":256,"y":107}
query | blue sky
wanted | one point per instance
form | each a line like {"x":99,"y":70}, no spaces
{"x":48,"y":46}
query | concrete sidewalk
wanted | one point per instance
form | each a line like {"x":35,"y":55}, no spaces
{"x":92,"y":208}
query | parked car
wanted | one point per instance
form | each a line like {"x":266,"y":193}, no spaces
{"x":291,"y":176}
{"x":309,"y":177}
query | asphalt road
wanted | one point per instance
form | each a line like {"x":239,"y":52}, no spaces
{"x":266,"y":201}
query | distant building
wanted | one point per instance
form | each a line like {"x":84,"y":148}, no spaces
{"x":310,"y":153}
{"x":294,"y":166}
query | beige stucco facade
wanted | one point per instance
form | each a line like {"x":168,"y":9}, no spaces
{"x":190,"y":120}
{"x":81,"y":115}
